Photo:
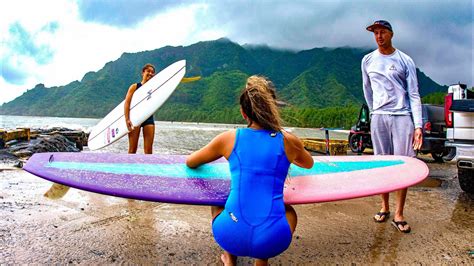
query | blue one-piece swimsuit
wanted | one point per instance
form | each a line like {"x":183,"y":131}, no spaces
{"x":253,"y":222}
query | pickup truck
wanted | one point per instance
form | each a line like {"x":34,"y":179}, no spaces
{"x":434,"y":133}
{"x":459,"y":118}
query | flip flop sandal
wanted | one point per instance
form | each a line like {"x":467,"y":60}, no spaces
{"x":383,"y":216}
{"x":402,"y":223}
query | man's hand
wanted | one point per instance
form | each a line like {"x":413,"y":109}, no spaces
{"x":417,"y":139}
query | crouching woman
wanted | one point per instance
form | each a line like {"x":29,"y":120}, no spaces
{"x":255,"y":222}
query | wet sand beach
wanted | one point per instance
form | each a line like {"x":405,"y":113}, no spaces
{"x":88,"y":228}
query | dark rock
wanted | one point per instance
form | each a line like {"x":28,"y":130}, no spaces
{"x":48,"y":140}
{"x":55,"y":143}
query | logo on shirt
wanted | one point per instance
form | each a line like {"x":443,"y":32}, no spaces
{"x":393,"y":68}
{"x":232,"y":216}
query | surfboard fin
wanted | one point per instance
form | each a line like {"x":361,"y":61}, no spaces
{"x":56,"y":191}
{"x":190,"y":79}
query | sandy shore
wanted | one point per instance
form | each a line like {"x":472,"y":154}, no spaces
{"x":87,"y":228}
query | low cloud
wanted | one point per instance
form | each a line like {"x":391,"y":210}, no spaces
{"x":436,"y":34}
{"x":38,"y":42}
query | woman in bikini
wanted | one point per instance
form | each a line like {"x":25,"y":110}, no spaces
{"x":148,"y":71}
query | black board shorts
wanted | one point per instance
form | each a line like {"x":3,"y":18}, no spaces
{"x":150,"y":121}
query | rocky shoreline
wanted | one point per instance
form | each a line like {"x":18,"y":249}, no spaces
{"x":54,"y":139}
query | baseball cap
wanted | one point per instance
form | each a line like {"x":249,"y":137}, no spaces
{"x":381,"y":23}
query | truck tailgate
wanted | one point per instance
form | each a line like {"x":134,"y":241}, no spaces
{"x":463,"y":119}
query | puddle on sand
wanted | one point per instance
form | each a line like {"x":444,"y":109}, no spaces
{"x":430,"y":182}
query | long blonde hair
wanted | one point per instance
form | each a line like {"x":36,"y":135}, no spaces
{"x":258,"y":102}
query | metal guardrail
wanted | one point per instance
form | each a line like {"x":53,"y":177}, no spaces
{"x":333,"y":147}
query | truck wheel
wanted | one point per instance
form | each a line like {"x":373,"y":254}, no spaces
{"x":354,"y":140}
{"x":438,"y":156}
{"x":450,"y":154}
{"x":466,"y":179}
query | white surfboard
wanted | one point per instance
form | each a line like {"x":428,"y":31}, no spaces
{"x":145,"y":101}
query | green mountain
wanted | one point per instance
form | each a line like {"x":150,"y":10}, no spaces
{"x":317,"y":82}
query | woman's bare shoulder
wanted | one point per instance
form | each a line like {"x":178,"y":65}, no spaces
{"x":227,"y":135}
{"x":132,"y":87}
{"x":290,"y":137}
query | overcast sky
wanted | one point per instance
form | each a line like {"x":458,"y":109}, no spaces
{"x":55,"y":42}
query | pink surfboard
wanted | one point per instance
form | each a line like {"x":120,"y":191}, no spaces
{"x":165,"y":178}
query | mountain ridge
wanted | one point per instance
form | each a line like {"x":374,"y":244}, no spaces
{"x":311,"y":79}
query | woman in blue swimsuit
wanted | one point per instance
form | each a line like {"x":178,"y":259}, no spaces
{"x":255,"y":222}
{"x":148,"y":71}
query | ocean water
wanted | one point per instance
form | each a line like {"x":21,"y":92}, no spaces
{"x":170,"y":137}
{"x":12,"y":122}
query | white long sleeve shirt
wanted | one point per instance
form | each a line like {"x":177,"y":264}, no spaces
{"x":390,"y":85}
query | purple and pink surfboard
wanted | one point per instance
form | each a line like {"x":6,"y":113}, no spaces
{"x":166,"y":178}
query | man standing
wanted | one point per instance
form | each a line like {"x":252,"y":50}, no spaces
{"x":391,"y":91}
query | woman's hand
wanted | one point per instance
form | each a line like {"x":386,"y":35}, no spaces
{"x":129,"y":125}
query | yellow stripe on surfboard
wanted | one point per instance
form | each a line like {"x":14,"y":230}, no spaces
{"x":190,"y":79}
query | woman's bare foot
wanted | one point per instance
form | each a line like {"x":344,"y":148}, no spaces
{"x":228,"y":259}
